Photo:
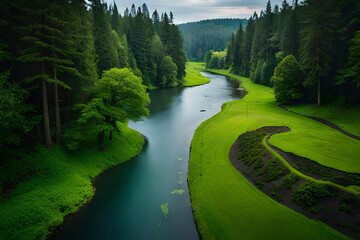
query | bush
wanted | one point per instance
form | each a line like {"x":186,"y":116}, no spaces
{"x":272,"y":170}
{"x":308,"y":194}
{"x":288,"y":181}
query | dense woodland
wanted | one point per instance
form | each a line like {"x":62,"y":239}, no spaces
{"x":323,"y":40}
{"x":60,"y":66}
{"x":205,"y":35}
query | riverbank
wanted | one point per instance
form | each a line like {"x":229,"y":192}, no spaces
{"x":193,"y":76}
{"x":225,"y":204}
{"x":58,"y":183}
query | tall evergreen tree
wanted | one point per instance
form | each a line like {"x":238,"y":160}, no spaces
{"x":104,"y":44}
{"x":237,"y":50}
{"x":318,"y":39}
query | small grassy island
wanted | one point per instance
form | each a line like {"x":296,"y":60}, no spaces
{"x":219,"y":192}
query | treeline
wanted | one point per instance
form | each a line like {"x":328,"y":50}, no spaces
{"x":53,"y":55}
{"x":321,"y":35}
{"x":207,"y":35}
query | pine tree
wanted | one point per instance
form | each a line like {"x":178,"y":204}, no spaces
{"x":47,"y":46}
{"x":318,"y":38}
{"x":249,"y":34}
{"x":156,"y":21}
{"x":133,"y":10}
{"x":104,"y":44}
{"x":238,"y":50}
{"x":145,"y":10}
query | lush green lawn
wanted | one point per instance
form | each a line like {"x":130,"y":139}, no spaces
{"x":193,"y":76}
{"x":346,"y":118}
{"x":225,"y":204}
{"x":61,"y":183}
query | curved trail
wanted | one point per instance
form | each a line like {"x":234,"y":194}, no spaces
{"x":286,"y":194}
{"x":325,"y":122}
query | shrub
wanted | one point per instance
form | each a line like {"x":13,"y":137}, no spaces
{"x":288,"y":181}
{"x":308,"y":194}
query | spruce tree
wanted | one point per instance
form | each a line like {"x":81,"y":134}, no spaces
{"x":318,"y":39}
{"x":238,"y":50}
{"x":104,"y":44}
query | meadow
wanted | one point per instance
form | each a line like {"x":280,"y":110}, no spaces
{"x":225,"y":204}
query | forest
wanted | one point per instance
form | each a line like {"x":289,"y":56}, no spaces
{"x":56,"y":57}
{"x":117,"y":123}
{"x":322,"y":39}
{"x":205,"y":35}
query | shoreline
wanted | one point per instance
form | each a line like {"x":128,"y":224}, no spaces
{"x":54,"y":232}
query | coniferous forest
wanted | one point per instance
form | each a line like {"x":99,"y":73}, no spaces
{"x":322,"y":37}
{"x":53,"y":54}
{"x":205,"y":35}
{"x":116,"y":123}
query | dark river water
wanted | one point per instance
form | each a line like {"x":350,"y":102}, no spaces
{"x":128,"y":197}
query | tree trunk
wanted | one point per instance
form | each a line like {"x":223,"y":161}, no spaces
{"x":101,"y":141}
{"x":110,"y":135}
{"x":319,"y":93}
{"x":57,"y":113}
{"x":45,"y":111}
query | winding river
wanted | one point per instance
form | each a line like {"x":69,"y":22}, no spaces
{"x":128,"y":197}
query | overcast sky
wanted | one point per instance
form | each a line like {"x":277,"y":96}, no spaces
{"x":195,"y":10}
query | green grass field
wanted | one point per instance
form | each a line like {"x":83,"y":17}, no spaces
{"x":193,"y":76}
{"x":60,"y":183}
{"x":225,"y":204}
{"x":345,"y":118}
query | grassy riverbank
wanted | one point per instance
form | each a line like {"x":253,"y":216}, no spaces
{"x":58,"y":183}
{"x":193,"y":76}
{"x":225,"y":204}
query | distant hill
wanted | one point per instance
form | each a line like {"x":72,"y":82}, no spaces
{"x":205,"y":35}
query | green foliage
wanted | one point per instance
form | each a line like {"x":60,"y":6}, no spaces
{"x":178,"y":191}
{"x":345,"y":208}
{"x":252,"y":150}
{"x":350,"y":73}
{"x":207,"y":58}
{"x":217,"y":60}
{"x":104,"y":43}
{"x":309,"y":193}
{"x":16,"y":117}
{"x":48,"y":185}
{"x":118,"y":96}
{"x":206,"y":35}
{"x":287,"y":80}
{"x":272,"y":170}
{"x":165,"y":209}
{"x":168,"y":73}
{"x":288,"y":182}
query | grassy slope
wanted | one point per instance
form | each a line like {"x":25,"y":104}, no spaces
{"x":193,"y":76}
{"x":61,"y":185}
{"x":225,"y":204}
{"x":346,"y":118}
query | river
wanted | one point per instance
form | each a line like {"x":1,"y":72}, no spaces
{"x":128,"y":197}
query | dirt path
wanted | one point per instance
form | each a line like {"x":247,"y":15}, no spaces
{"x":326,"y":122}
{"x":330,"y":210}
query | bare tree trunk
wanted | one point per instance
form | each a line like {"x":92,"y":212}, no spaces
{"x":319,"y":93}
{"x":57,"y":113}
{"x":101,"y":141}
{"x":45,"y":111}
